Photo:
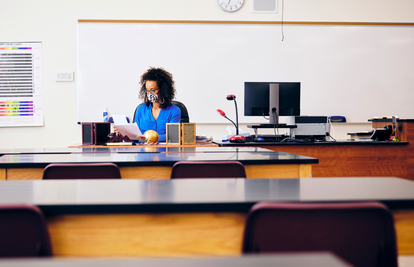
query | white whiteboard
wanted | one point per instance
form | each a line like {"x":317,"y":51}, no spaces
{"x":356,"y":71}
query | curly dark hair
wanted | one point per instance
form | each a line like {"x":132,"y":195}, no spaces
{"x":165,"y":83}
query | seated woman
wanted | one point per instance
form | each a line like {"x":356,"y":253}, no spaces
{"x":157,"y":91}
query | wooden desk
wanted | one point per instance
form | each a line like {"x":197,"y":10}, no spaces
{"x":125,"y":218}
{"x":156,"y":162}
{"x":352,"y":158}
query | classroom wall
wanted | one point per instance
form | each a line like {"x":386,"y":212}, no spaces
{"x":54,"y":23}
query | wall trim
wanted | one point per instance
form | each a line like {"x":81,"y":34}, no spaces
{"x":251,"y":22}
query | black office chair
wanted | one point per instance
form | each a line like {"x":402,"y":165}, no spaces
{"x":105,"y":170}
{"x":361,"y":233}
{"x":184,"y":113}
{"x":208,"y":169}
{"x":23,"y":232}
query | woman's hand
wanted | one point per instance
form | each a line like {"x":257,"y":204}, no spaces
{"x":116,"y":131}
{"x":141,"y":137}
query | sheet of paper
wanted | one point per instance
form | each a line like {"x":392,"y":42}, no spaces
{"x":120,"y":120}
{"x":131,"y":130}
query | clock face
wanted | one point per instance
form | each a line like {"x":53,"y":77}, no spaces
{"x":230,"y":5}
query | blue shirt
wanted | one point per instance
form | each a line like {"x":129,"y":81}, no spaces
{"x":145,"y":120}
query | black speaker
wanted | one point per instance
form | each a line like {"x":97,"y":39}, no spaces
{"x":101,"y":131}
{"x":95,"y":133}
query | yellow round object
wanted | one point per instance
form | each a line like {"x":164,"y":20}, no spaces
{"x":151,"y":137}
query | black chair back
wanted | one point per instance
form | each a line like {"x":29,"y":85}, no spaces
{"x":184,"y":113}
{"x":208,"y":169}
{"x":362,"y":233}
{"x":105,"y":170}
{"x":23,"y":232}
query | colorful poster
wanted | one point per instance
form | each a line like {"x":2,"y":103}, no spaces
{"x":21,"y":97}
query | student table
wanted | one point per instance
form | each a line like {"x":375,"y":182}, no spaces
{"x":310,"y":259}
{"x":186,"y":217}
{"x":148,"y":162}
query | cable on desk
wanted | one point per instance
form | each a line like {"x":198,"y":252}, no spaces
{"x":275,"y":124}
{"x":264,"y":115}
{"x":285,"y":139}
{"x":331,"y":127}
{"x":329,"y":134}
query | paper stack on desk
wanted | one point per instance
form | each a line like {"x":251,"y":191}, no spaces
{"x":203,"y":138}
{"x":124,"y":128}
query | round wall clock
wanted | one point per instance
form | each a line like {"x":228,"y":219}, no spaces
{"x":230,"y":5}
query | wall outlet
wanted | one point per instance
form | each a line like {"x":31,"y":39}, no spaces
{"x":64,"y":76}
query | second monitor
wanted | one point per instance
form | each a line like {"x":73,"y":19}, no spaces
{"x":272,"y":99}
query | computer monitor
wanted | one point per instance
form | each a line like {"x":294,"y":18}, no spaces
{"x":260,"y":98}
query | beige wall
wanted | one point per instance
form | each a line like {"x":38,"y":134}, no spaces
{"x":54,"y":22}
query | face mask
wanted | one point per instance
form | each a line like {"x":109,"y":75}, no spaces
{"x":152,"y":98}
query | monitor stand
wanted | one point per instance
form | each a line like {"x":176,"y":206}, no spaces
{"x":274,"y":104}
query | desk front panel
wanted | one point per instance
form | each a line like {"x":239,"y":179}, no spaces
{"x":150,"y":234}
{"x":164,"y":172}
{"x":170,"y":234}
{"x":350,"y":159}
{"x":279,"y":171}
{"x":355,"y":160}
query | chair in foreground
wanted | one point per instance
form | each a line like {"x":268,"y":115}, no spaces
{"x":208,"y":169}
{"x":361,"y":233}
{"x":82,"y":170}
{"x":23,"y":232}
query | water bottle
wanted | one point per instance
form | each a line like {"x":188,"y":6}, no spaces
{"x":105,"y":116}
